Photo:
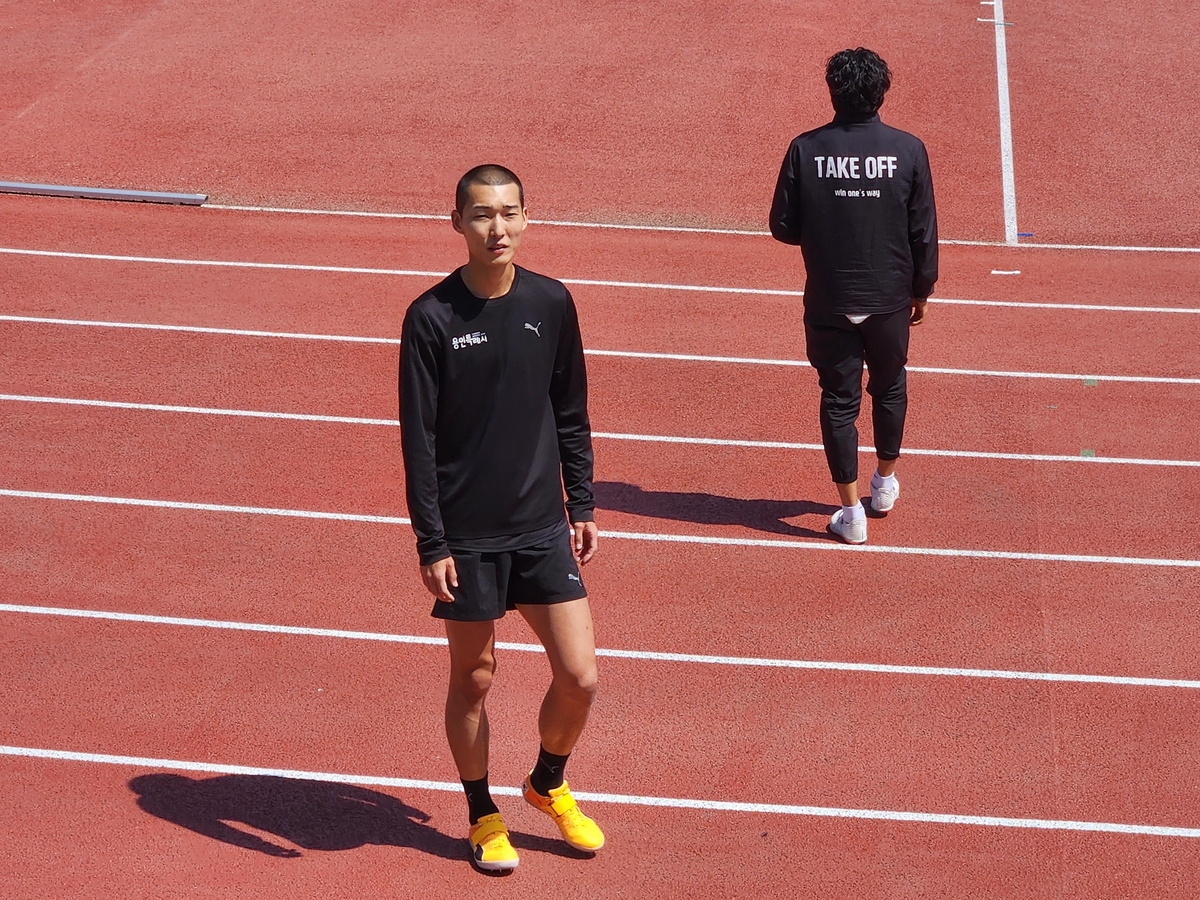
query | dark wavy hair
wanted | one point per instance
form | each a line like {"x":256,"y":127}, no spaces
{"x":857,"y":81}
{"x":490,"y":174}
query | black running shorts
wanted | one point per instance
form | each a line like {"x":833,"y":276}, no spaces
{"x":490,"y":584}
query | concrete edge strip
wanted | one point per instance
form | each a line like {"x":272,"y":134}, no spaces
{"x":97,"y":193}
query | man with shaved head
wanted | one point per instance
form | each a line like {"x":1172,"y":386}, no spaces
{"x":494,"y":430}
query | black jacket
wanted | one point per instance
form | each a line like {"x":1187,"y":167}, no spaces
{"x":493,"y":417}
{"x":857,"y":197}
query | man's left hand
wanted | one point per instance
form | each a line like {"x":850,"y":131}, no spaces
{"x":585,"y":539}
{"x":918,"y":311}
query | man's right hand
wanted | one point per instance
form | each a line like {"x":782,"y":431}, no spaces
{"x":918,"y":311}
{"x":440,"y":577}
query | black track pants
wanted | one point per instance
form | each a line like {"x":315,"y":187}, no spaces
{"x":837,"y":349}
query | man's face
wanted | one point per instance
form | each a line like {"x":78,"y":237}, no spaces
{"x":492,"y":221}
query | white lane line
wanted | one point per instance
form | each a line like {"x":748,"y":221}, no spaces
{"x":622,"y":354}
{"x":600,"y":435}
{"x":647,"y":285}
{"x":206,"y":507}
{"x":1093,"y":307}
{"x":1007,"y":179}
{"x":1108,"y":248}
{"x":199,"y":410}
{"x":143,"y":762}
{"x":613,"y":226}
{"x":641,"y":655}
{"x":431,"y":217}
{"x":198,"y":329}
{"x":361,"y":270}
{"x":830,"y":545}
{"x":953,"y":454}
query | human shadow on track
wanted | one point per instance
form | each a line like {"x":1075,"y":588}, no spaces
{"x":711,"y":509}
{"x":313,"y":815}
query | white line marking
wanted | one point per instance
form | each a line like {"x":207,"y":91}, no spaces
{"x":199,"y":410}
{"x":1096,"y":247}
{"x":903,"y":551}
{"x":1007,"y":178}
{"x":1095,"y":307}
{"x":624,"y":354}
{"x":361,"y":270}
{"x":143,"y":762}
{"x":637,"y":535}
{"x":953,"y":454}
{"x":600,"y":435}
{"x":639,"y":285}
{"x":672,"y":228}
{"x":642,"y":655}
{"x":197,"y":329}
{"x":430,"y":217}
{"x":206,"y":507}
{"x":1006,"y":271}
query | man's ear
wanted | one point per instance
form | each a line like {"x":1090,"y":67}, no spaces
{"x":456,"y":220}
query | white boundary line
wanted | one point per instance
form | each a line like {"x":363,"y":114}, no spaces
{"x":633,"y":285}
{"x":680,"y":229}
{"x":828,"y":546}
{"x":623,"y":354}
{"x":362,"y":270}
{"x":641,"y":655}
{"x":601,"y":435}
{"x":143,"y":762}
{"x":1006,"y":148}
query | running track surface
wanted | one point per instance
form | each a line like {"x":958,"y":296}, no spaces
{"x":1069,"y":563}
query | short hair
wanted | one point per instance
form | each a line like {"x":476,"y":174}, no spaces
{"x":857,"y":81}
{"x":490,"y":174}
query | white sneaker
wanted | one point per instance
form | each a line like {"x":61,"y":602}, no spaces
{"x":883,"y":498}
{"x":851,"y":532}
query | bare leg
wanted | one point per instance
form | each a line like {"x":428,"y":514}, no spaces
{"x":886,"y":467}
{"x":472,"y":665}
{"x":848,"y":493}
{"x":565,"y":630}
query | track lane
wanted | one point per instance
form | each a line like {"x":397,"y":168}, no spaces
{"x":972,"y":613}
{"x":725,"y":491}
{"x":628,"y":396}
{"x":961,"y":336}
{"x":1095,"y":277}
{"x":148,"y":857}
{"x":841,"y":740}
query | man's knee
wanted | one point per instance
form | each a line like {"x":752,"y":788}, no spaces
{"x":473,"y":683}
{"x":581,"y":685}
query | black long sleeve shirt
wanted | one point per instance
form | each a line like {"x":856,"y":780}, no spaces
{"x":493,"y":416}
{"x":857,"y":197}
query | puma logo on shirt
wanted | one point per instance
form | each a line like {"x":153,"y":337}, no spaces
{"x":536,"y":329}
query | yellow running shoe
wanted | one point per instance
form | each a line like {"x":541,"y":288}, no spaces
{"x":577,"y":829}
{"x":490,"y":847}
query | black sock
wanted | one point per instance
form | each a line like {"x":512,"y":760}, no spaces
{"x":479,"y":800}
{"x":548,"y":773}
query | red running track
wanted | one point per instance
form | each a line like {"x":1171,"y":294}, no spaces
{"x":1026,"y":748}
